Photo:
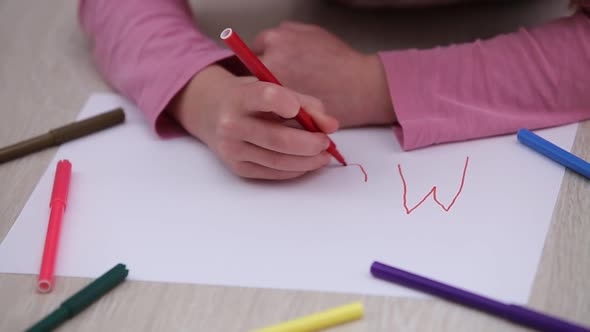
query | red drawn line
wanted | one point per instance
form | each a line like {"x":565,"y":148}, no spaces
{"x":362,"y":169}
{"x":432,"y":191}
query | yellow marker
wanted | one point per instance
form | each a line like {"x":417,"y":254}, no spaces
{"x":321,"y":320}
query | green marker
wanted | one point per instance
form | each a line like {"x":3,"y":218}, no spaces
{"x":82,"y":299}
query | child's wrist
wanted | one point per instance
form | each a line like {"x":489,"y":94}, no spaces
{"x":200,"y":95}
{"x":378,"y":105}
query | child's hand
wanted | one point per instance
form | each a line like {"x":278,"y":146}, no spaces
{"x":240,"y":119}
{"x":313,"y":61}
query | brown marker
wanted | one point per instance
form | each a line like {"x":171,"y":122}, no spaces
{"x":63,"y":134}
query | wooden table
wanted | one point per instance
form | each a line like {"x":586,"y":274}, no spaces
{"x":46,"y":74}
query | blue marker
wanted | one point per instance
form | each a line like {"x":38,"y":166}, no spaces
{"x":554,"y":152}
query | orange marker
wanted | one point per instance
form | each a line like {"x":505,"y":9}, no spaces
{"x":59,"y":199}
{"x":258,"y":69}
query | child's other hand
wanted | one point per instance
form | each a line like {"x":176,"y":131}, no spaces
{"x":240,"y":119}
{"x":313,"y":61}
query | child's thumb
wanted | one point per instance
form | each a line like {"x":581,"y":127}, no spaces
{"x":315,"y":108}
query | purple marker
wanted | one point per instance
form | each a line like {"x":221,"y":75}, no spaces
{"x":514,"y":313}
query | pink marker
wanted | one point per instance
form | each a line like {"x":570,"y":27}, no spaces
{"x":59,"y":199}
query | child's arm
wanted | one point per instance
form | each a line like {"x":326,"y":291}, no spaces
{"x":151,"y":51}
{"x":531,"y":78}
{"x":148,"y":50}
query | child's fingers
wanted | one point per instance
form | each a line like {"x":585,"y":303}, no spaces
{"x":280,"y":161}
{"x":314,"y":107}
{"x":269,"y":97}
{"x":263,"y":39}
{"x":297,"y":26}
{"x":283,"y":139}
{"x":254,"y":171}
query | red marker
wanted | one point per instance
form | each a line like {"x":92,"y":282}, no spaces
{"x":258,"y":69}
{"x":59,"y":199}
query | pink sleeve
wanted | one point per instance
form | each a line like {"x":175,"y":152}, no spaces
{"x":531,"y":78}
{"x":148,"y":50}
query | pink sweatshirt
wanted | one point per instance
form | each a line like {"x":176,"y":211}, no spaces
{"x":149,"y":49}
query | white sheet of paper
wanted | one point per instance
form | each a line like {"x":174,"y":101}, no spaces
{"x":171,"y":212}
